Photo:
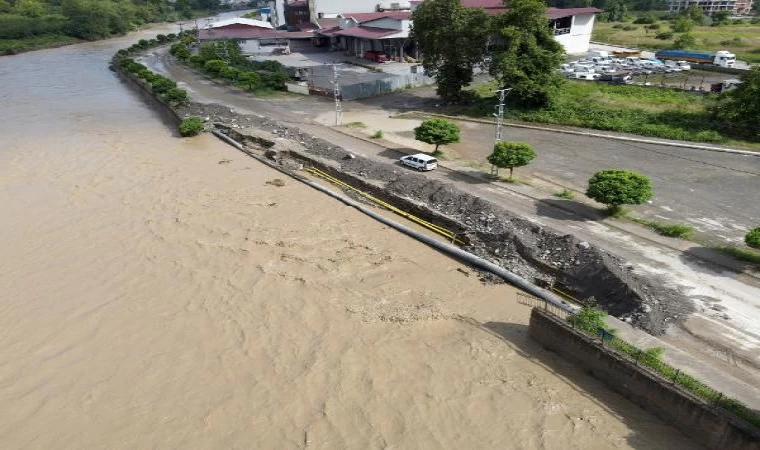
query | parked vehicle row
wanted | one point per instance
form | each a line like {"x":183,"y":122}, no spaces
{"x":601,"y":66}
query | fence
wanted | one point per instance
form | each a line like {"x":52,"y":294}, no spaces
{"x":384,"y":85}
{"x":650,"y":359}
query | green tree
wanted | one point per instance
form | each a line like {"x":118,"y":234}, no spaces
{"x":682,"y":24}
{"x":176,"y":95}
{"x":437,"y":132}
{"x":752,"y":238}
{"x":695,"y":14}
{"x":685,"y":41}
{"x":5,"y":7}
{"x":190,"y":126}
{"x":616,"y":10}
{"x":739,"y":108}
{"x":161,"y":84}
{"x":30,"y":8}
{"x":450,"y":52}
{"x":249,"y":80}
{"x":214,"y":66}
{"x":179,"y":51}
{"x":508,"y":155}
{"x":527,"y":57}
{"x":721,"y":17}
{"x":616,"y":187}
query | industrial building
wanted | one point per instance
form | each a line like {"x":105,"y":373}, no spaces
{"x":710,"y":7}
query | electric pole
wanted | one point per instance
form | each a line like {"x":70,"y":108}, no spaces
{"x":337,"y":95}
{"x":499,"y":119}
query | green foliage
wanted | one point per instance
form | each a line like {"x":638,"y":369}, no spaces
{"x":176,"y":95}
{"x":451,"y":51}
{"x":665,"y":36}
{"x":740,"y":107}
{"x":377,"y":134}
{"x":437,"y":132}
{"x":616,"y":10}
{"x":30,"y":8}
{"x":752,"y":238}
{"x":676,"y":230}
{"x":161,"y":38}
{"x":214,"y":66}
{"x":527,"y":56}
{"x":617,"y":187}
{"x":695,"y":14}
{"x":589,"y":319}
{"x":682,"y":25}
{"x":179,"y":51}
{"x":647,"y":19}
{"x":566,"y":194}
{"x":229,"y":73}
{"x":741,"y":254}
{"x":629,"y":28}
{"x":190,"y":126}
{"x":510,"y":155}
{"x":162,"y":85}
{"x":147,"y":75}
{"x":249,"y":80}
{"x":685,"y":41}
{"x":721,"y":18}
{"x":355,"y":125}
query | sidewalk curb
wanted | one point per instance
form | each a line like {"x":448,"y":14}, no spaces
{"x":594,"y":135}
{"x":383,"y":143}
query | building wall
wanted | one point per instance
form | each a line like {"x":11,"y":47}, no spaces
{"x":387,"y":23}
{"x":332,"y":7}
{"x":577,"y":41}
{"x":708,"y":6}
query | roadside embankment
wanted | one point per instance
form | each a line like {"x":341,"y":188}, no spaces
{"x":697,"y":419}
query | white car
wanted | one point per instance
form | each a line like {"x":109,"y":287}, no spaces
{"x":419,"y":161}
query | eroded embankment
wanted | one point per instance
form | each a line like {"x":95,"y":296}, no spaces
{"x":530,"y":250}
{"x":533,"y":251}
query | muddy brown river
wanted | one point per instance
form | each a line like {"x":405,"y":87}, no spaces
{"x":156,"y":292}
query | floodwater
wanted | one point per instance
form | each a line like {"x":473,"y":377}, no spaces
{"x":156,"y":292}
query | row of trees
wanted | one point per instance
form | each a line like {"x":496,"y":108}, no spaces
{"x":89,"y":19}
{"x":516,"y":48}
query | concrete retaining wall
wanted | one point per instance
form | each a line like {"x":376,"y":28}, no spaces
{"x":707,"y":425}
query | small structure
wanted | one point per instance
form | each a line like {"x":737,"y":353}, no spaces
{"x":383,"y":32}
{"x":255,"y":36}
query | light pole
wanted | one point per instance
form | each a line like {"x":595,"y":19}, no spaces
{"x":337,"y":95}
{"x":499,"y":119}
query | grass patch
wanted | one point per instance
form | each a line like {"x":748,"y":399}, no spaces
{"x":355,"y":125}
{"x":14,"y":46}
{"x":677,"y":230}
{"x":617,"y":211}
{"x":377,"y":135}
{"x":567,"y":195}
{"x":645,"y":111}
{"x":742,"y":254}
{"x":437,"y":153}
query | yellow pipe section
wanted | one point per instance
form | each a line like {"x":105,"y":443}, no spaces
{"x":431,"y":226}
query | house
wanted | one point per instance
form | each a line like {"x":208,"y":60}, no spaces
{"x":358,"y":33}
{"x":254,"y":36}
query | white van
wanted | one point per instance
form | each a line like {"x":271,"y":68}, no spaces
{"x":420,"y":161}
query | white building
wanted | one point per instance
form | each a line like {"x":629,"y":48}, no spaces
{"x":572,"y":27}
{"x":710,"y":7}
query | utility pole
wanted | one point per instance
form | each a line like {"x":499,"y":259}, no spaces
{"x":337,"y":95}
{"x":499,"y":120}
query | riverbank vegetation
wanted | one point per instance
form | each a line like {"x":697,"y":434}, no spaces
{"x":33,"y":24}
{"x":223,"y":60}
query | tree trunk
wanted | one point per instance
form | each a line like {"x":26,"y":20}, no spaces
{"x":436,"y":147}
{"x":511,"y":169}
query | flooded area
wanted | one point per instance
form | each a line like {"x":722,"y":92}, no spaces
{"x":157,"y":292}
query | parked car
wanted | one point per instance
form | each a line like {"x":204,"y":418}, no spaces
{"x":419,"y":161}
{"x":585,"y":76}
{"x":616,"y":79}
{"x":376,"y":56}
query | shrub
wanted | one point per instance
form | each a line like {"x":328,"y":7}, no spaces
{"x":122,"y":52}
{"x":176,"y":95}
{"x":664,"y":36}
{"x":161,"y":84}
{"x":590,"y":320}
{"x":214,"y":66}
{"x":171,"y":36}
{"x":377,"y":134}
{"x":437,"y":132}
{"x":161,"y":38}
{"x":677,"y":230}
{"x":142,"y":43}
{"x":152,"y":43}
{"x":147,"y":75}
{"x":195,"y":60}
{"x":508,"y":155}
{"x":618,"y":26}
{"x":229,"y":73}
{"x":566,"y":194}
{"x":752,"y":238}
{"x":685,"y":41}
{"x":616,"y":187}
{"x":249,"y":80}
{"x":645,"y":20}
{"x":190,"y":126}
{"x":135,"y":67}
{"x":629,"y":28}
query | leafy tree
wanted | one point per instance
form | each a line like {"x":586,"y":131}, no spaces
{"x":5,"y":7}
{"x":527,"y":58}
{"x":249,"y":80}
{"x":721,"y":17}
{"x":616,"y":187}
{"x":508,"y":155}
{"x":685,"y":41}
{"x":229,"y":73}
{"x":682,"y":25}
{"x":695,"y":14}
{"x":740,"y":107}
{"x":214,"y":66}
{"x":161,"y":84}
{"x":437,"y":132}
{"x":30,"y":8}
{"x":753,"y":238}
{"x":616,"y":10}
{"x":190,"y":126}
{"x":179,"y":51}
{"x":450,"y":52}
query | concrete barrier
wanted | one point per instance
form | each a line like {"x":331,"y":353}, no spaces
{"x":706,"y":424}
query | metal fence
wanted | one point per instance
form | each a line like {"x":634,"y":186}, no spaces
{"x":384,"y":85}
{"x":535,"y":302}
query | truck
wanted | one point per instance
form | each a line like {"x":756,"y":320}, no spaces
{"x":720,"y":58}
